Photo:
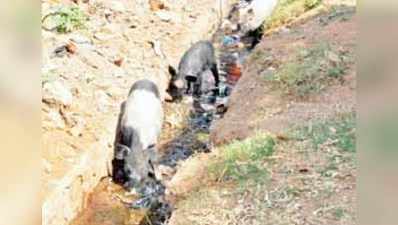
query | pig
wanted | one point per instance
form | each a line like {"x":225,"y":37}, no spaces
{"x":199,"y":58}
{"x":139,"y":126}
{"x":253,"y":13}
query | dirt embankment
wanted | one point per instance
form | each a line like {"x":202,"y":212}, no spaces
{"x":303,"y":185}
{"x":256,"y":105}
{"x":87,"y":73}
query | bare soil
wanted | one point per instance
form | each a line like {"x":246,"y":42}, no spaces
{"x":255,"y":105}
{"x":304,"y":185}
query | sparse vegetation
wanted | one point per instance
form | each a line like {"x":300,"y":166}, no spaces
{"x":339,"y":132}
{"x":309,"y":71}
{"x":66,"y":19}
{"x":48,"y":77}
{"x":338,"y":213}
{"x":287,"y":10}
{"x":242,"y":161}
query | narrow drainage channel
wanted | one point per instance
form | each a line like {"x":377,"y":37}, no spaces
{"x":107,"y":204}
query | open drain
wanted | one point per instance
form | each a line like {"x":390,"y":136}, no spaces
{"x":231,"y":54}
{"x":109,"y":204}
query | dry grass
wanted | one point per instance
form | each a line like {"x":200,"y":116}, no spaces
{"x":310,"y":70}
{"x":288,"y":10}
{"x":305,"y":183}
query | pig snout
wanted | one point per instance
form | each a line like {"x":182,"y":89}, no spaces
{"x":121,"y":151}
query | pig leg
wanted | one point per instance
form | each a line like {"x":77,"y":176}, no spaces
{"x":214,"y":70}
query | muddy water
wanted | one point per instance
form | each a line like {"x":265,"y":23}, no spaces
{"x":186,"y":131}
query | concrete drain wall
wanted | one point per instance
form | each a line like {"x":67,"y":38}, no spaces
{"x":66,"y":189}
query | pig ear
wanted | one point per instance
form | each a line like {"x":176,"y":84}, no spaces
{"x":172,"y":71}
{"x":179,"y":83}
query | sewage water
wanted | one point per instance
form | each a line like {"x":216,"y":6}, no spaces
{"x":110,"y":204}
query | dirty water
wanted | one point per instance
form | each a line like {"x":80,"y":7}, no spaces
{"x":110,"y":204}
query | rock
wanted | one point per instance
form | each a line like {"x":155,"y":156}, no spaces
{"x":102,"y":101}
{"x":47,"y":166}
{"x":56,"y":119}
{"x":57,"y":93}
{"x":71,"y":48}
{"x":60,"y":51}
{"x":164,"y":15}
{"x":77,"y":130}
{"x":118,"y":62}
{"x":157,"y":48}
{"x":156,"y":5}
{"x":117,"y":6}
{"x":80,"y":39}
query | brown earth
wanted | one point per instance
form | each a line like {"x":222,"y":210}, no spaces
{"x":255,"y":105}
{"x":304,"y":185}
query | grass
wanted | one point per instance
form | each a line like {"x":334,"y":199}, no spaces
{"x":246,"y":195}
{"x":287,"y":10}
{"x":243,"y":161}
{"x":338,"y":213}
{"x":66,"y":19}
{"x":309,"y":71}
{"x":339,"y":132}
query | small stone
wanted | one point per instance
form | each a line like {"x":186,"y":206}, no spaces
{"x":164,"y":15}
{"x":102,"y":101}
{"x":118,"y":62}
{"x":57,"y":93}
{"x":117,"y":6}
{"x":77,"y":130}
{"x":71,"y":48}
{"x":156,"y":5}
{"x":284,"y":30}
{"x":47,"y":166}
{"x":56,"y":119}
{"x":80,"y":39}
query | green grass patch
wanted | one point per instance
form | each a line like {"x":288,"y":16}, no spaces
{"x":309,"y":71}
{"x":338,"y":213}
{"x":287,"y":10}
{"x":66,"y":19}
{"x":243,"y":161}
{"x":340,"y":132}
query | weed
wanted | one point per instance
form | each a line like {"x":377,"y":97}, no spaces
{"x":202,"y":137}
{"x":66,"y":19}
{"x":309,"y":71}
{"x":338,"y":213}
{"x":310,"y":4}
{"x":339,"y":131}
{"x":243,"y":161}
{"x":329,"y":170}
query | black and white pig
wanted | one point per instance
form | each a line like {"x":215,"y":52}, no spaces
{"x":138,"y":129}
{"x":199,"y":58}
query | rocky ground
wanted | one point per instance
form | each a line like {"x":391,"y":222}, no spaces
{"x":93,"y":51}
